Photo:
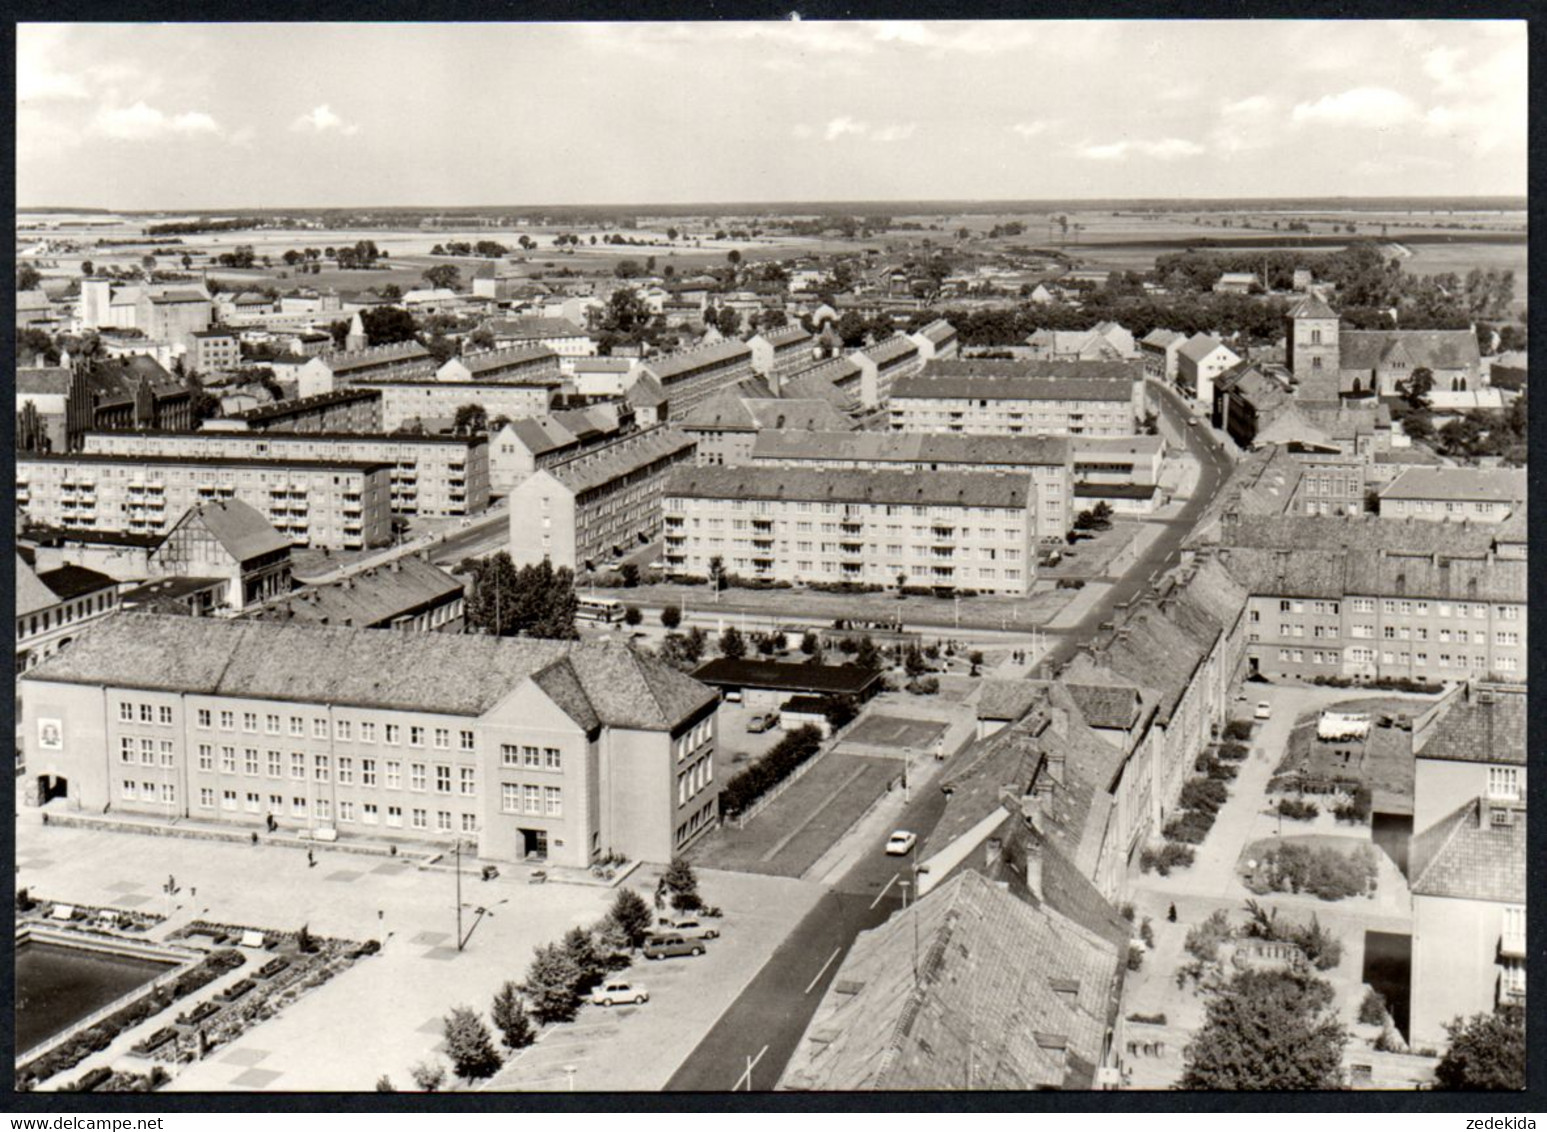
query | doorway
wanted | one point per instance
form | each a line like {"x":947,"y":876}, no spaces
{"x":534,"y":844}
{"x":51,"y":786}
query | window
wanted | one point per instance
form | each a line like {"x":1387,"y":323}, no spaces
{"x":442,"y":779}
{"x":443,"y":821}
{"x":421,"y":819}
{"x":510,"y":798}
{"x":275,"y":764}
{"x":551,"y":758}
{"x":531,"y":799}
{"x":147,"y":713}
{"x":228,"y":760}
{"x":552,"y":802}
{"x":416,"y":736}
{"x":206,"y":756}
{"x":469,"y":779}
{"x":126,"y":749}
{"x":206,"y":798}
{"x":271,"y":725}
{"x":249,"y":721}
{"x":416,"y":776}
{"x":368,"y":813}
{"x":297,"y":726}
{"x":324,"y":808}
{"x":346,"y":772}
{"x":228,"y":721}
{"x":442,"y":739}
{"x":164,"y":713}
{"x":319,"y":729}
{"x":394,"y":733}
{"x":1503,"y":782}
{"x":395,"y":816}
{"x":252,"y":803}
{"x":394,"y":775}
{"x":510,"y":755}
{"x":367,"y":772}
{"x":346,"y":811}
{"x":126,"y":713}
{"x":345,"y":729}
{"x":250,"y":761}
{"x":367,"y":732}
{"x":320,"y":769}
{"x":228,"y":800}
{"x":531,"y":757}
{"x":469,"y":823}
{"x":297,"y":765}
{"x":467,"y":741}
{"x":297,"y":806}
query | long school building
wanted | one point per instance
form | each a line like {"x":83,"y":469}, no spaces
{"x":538,"y":750}
{"x":341,"y":504}
{"x":431,"y":475}
{"x":951,"y":530}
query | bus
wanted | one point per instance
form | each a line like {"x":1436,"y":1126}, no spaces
{"x":607,"y":610}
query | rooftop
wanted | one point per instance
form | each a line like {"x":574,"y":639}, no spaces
{"x":813,"y":679}
{"x":1465,"y":856}
{"x":241,"y":530}
{"x":100,"y":458}
{"x":912,"y":448}
{"x":1486,"y":725}
{"x":668,"y":367}
{"x":1005,"y":387}
{"x":1432,"y":349}
{"x":1484,"y":485}
{"x":67,"y":582}
{"x":607,"y":464}
{"x":465,"y":675}
{"x":373,"y":597}
{"x":534,"y":328}
{"x":855,"y":485}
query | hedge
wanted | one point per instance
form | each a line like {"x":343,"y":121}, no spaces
{"x":773,"y":768}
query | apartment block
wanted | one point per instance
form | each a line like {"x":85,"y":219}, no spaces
{"x":1027,"y":398}
{"x":540,"y":751}
{"x":690,"y":376}
{"x":600,"y":505}
{"x":1046,"y":459}
{"x":430,"y":400}
{"x":778,"y":353}
{"x":349,"y":367}
{"x":212,"y":351}
{"x":345,"y":410}
{"x":517,"y":364}
{"x":1451,"y":495}
{"x":431,"y":475}
{"x":952,"y":530}
{"x":342,"y":504}
{"x":937,"y":339}
{"x":883,"y":365}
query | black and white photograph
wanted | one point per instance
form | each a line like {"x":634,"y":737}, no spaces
{"x":788,"y":556}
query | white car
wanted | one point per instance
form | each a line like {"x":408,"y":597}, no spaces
{"x":1264,"y":710}
{"x":901,"y":843}
{"x":690,"y":928}
{"x":615,"y":991}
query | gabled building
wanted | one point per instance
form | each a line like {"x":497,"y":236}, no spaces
{"x":883,"y":365}
{"x":125,"y":394}
{"x":53,"y":605}
{"x":350,"y":367}
{"x":1158,"y":350}
{"x":688,"y":377}
{"x":778,"y":353}
{"x":937,"y":339}
{"x":408,"y":593}
{"x":1104,"y":342}
{"x":1453,"y":495}
{"x":726,"y":427}
{"x":231,"y":541}
{"x":1200,"y":362}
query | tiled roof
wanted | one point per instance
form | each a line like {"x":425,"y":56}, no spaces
{"x":31,"y":594}
{"x":1112,"y":707}
{"x":1022,"y":368}
{"x":913,"y":448}
{"x":535,"y":328}
{"x":42,"y":380}
{"x":1466,"y":856}
{"x":372,"y":597}
{"x":1329,"y":532}
{"x":591,"y":470}
{"x":433,"y":672}
{"x":645,"y":393}
{"x":488,"y":362}
{"x":1334,"y":573}
{"x":242,"y":530}
{"x":1199,"y":346}
{"x":34,"y":300}
{"x":1433,"y":349}
{"x":1008,"y":996}
{"x":1487,"y":725}
{"x":66,"y":582}
{"x":668,"y":367}
{"x":893,"y":349}
{"x":1312,"y":306}
{"x":938,"y":331}
{"x":1489,"y":485}
{"x":395,"y":353}
{"x":1162,"y":339}
{"x":540,"y":435}
{"x":1007,"y":699}
{"x":856,"y":485}
{"x":785,"y":336}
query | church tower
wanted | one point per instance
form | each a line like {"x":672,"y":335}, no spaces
{"x":356,"y":339}
{"x":1313,"y":353}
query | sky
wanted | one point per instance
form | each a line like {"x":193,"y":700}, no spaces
{"x":169,"y":116}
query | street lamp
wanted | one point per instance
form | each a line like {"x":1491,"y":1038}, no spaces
{"x":569,"y":1071}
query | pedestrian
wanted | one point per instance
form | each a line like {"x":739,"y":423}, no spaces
{"x":380,"y":915}
{"x":193,"y":893}
{"x":1171,"y":913}
{"x":311,"y":859}
{"x":255,"y":837}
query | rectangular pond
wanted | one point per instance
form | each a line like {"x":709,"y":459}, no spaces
{"x":57,"y":985}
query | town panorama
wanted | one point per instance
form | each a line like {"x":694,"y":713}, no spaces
{"x":1027,"y":592}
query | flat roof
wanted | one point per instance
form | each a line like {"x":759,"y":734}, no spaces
{"x":814,"y":679}
{"x":200,"y":461}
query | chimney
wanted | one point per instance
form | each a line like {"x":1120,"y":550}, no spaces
{"x":1034,"y":866}
{"x":991,"y":850}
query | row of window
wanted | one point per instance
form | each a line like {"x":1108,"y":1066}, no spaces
{"x":1397,"y":606}
{"x":530,"y":758}
{"x":70,"y":613}
{"x":273,"y":764}
{"x":1356,"y":655}
{"x":367,"y":813}
{"x":852,"y":510}
{"x":344,"y":730}
{"x":524,"y":798}
{"x":696,"y":821}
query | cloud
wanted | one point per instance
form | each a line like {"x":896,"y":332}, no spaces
{"x":1370,"y":107}
{"x":321,"y":120}
{"x":801,"y":130}
{"x":1440,"y":64}
{"x":1165,"y":149}
{"x":1030,"y":129}
{"x":1256,"y":104}
{"x":142,"y":123}
{"x":1245,"y":125}
{"x":899,"y":132}
{"x":844,"y":125}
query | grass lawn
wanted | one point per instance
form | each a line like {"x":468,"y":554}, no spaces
{"x":1383,"y":761}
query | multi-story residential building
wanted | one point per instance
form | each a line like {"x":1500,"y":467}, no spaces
{"x":1050,"y":398}
{"x":424,"y":400}
{"x":560,"y":335}
{"x":1105,"y":342}
{"x":431,"y":475}
{"x":1200,"y":361}
{"x":229,"y":541}
{"x":407,"y":593}
{"x":515,"y":364}
{"x":726,"y":427}
{"x":350,"y":367}
{"x":1046,"y":459}
{"x":1467,"y":861}
{"x":1351,"y":601}
{"x":937,"y":339}
{"x":1158,"y":350}
{"x":344,"y":410}
{"x":213,"y":350}
{"x":54,"y":605}
{"x":1333,"y":482}
{"x":1117,"y":460}
{"x":341,"y":504}
{"x":603,"y":377}
{"x":519,"y":447}
{"x":951,"y":530}
{"x":778,"y":353}
{"x":562,"y":752}
{"x":1455,"y":495}
{"x":836,"y":381}
{"x":883,"y":365}
{"x":598,"y":506}
{"x":690,"y":376}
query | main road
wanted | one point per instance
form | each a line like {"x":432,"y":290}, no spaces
{"x":753,"y":1041}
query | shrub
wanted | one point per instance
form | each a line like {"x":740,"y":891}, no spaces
{"x":1169,"y":856}
{"x":671,"y":617}
{"x":1203,"y":939}
{"x":1297,"y":810}
{"x":1234,"y":752}
{"x":681,"y":883}
{"x":1373,"y":1010}
{"x":1239,"y":730}
{"x":469,"y":1045}
{"x":779,"y":763}
{"x":1205,"y":795}
{"x":1189,"y":827}
{"x":1389,"y":1041}
{"x":924,"y":686}
{"x":1357,"y":809}
{"x":1135,"y":957}
{"x":1147,"y":933}
{"x":1127,"y":912}
{"x":429,"y":1076}
{"x":1321,"y":870}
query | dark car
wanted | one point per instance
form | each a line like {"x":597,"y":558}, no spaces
{"x":666,"y":946}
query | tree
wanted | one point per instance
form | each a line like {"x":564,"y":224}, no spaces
{"x":913,"y":663}
{"x":28,"y":278}
{"x":681,"y":884}
{"x":550,"y":984}
{"x":429,"y":1076}
{"x":632,"y":615}
{"x":186,"y":261}
{"x":671,"y":617}
{"x":810,"y":644}
{"x":732,"y":644}
{"x":1267,"y":1030}
{"x":671,"y":233}
{"x":581,"y":949}
{"x":88,"y":269}
{"x":534,"y":601}
{"x":1487,"y":1051}
{"x":628,"y":269}
{"x":733,"y":257}
{"x":632,"y":913}
{"x":384,"y":1084}
{"x":469,"y":1045}
{"x":1415,"y":390}
{"x":443,"y":275}
{"x":470,"y":420}
{"x":510,"y":1017}
{"x":717,"y":572}
{"x":867,"y":656}
{"x":975,"y":658}
{"x":384,"y":325}
{"x":630,"y":574}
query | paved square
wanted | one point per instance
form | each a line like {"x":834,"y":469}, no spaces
{"x":255,"y":1079}
{"x":134,"y":901}
{"x":125,"y":886}
{"x":247,"y":1057}
{"x":344,"y":875}
{"x":388,"y":869}
{"x":895,"y":732}
{"x":442,"y":953}
{"x":429,"y":939}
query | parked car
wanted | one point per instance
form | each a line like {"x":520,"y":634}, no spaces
{"x":666,"y":946}
{"x":690,"y":928}
{"x":1192,"y":422}
{"x":1264,"y":710}
{"x":614,"y":991}
{"x":901,"y":843}
{"x":765,"y":721}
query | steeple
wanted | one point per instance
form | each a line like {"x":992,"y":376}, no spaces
{"x":356,"y":339}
